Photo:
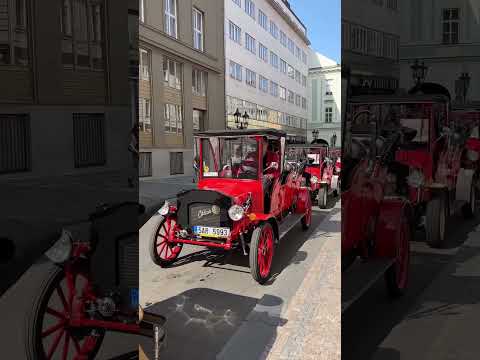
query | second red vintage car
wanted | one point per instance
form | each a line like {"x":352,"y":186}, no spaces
{"x":246,"y":198}
{"x":322,"y":170}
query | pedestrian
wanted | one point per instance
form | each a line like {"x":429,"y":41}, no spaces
{"x":133,"y":148}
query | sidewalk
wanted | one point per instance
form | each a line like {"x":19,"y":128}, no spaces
{"x":444,"y":322}
{"x":309,"y":326}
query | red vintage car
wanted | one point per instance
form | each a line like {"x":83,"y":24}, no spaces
{"x":376,"y":222}
{"x":322,"y":170}
{"x":246,"y":198}
{"x":427,"y":166}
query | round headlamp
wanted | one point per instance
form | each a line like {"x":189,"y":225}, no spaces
{"x":62,"y":249}
{"x":472,"y":155}
{"x":236,"y":212}
{"x":416,"y":178}
{"x":314,"y":180}
{"x":164,"y":209}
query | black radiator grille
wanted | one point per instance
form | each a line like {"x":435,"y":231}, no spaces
{"x":128,"y":252}
{"x":204,"y":214}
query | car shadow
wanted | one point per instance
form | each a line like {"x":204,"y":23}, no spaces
{"x":201,"y":321}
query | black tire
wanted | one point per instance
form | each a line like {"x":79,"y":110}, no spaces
{"x":436,"y":221}
{"x":152,"y":246}
{"x":468,"y":210}
{"x":322,"y":198}
{"x":253,"y":255}
{"x":34,"y":321}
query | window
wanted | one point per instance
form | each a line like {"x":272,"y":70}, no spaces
{"x":328,"y":87}
{"x":197,"y":29}
{"x":144,"y":64}
{"x":304,"y":103}
{"x":304,"y":57}
{"x":145,"y":109}
{"x":199,"y":82}
{"x":298,"y":100}
{"x":273,"y":29}
{"x":235,"y":71}
{"x":328,"y":114}
{"x":172,"y":73}
{"x":15,"y":143}
{"x":392,"y":4}
{"x":89,"y":140}
{"x":298,"y":77}
{"x":235,"y":32}
{"x":173,"y":118}
{"x":283,"y":38}
{"x":198,"y":123}
{"x":283,"y":66}
{"x":450,"y":26}
{"x":262,"y":19}
{"x":291,"y":72}
{"x":291,"y":46}
{"x":263,"y":84}
{"x":291,"y":96}
{"x":142,"y":10}
{"x":82,"y":28}
{"x":298,"y":53}
{"x":170,"y":19}
{"x":250,"y":44}
{"x":238,"y":2}
{"x":283,"y":93}
{"x":251,"y":78}
{"x":274,"y":59}
{"x":273,"y":89}
{"x":176,"y":163}
{"x":250,"y":8}
{"x":263,"y":52}
{"x":13,"y":33}
{"x":304,"y":81}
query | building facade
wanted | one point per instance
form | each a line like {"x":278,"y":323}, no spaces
{"x":65,"y":96}
{"x":370,"y":45}
{"x":181,"y":81}
{"x":445,"y":34}
{"x":325,"y":84}
{"x":266,"y":60}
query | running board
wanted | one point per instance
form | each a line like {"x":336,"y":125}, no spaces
{"x":286,"y":225}
{"x":359,"y":277}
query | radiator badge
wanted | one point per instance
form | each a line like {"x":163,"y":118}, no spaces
{"x":215,"y":210}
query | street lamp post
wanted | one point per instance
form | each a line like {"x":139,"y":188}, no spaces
{"x":419,"y":71}
{"x":315,"y":134}
{"x":333,"y":140}
{"x":464,"y":85}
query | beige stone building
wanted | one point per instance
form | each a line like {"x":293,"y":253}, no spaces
{"x":181,"y":81}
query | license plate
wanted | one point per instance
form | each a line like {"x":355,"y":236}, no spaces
{"x":207,"y":231}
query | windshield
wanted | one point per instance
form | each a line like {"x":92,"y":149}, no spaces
{"x":231,"y":158}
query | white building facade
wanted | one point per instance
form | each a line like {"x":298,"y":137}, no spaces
{"x":266,"y":51}
{"x":325,"y":85}
{"x":445,"y":34}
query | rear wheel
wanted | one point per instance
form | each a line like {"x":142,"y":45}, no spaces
{"x":322,"y":197}
{"x":436,"y":221}
{"x":468,"y":210}
{"x":162,"y":251}
{"x":396,"y":277}
{"x":261,"y":252}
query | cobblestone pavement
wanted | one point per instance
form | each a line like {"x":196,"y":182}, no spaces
{"x":312,"y":331}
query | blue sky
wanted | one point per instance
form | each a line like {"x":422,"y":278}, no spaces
{"x":322,"y":19}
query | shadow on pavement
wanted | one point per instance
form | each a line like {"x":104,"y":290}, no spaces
{"x":201,"y":321}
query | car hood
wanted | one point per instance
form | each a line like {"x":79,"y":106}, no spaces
{"x":238,"y":190}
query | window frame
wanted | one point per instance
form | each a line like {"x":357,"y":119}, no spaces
{"x":168,"y":15}
{"x":198,"y":31}
{"x":250,"y":43}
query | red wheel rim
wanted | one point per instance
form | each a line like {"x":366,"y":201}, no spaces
{"x":166,"y":250}
{"x":308,"y":215}
{"x":265,"y":251}
{"x":59,"y":340}
{"x":403,"y":256}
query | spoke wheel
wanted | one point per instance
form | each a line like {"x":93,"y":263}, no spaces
{"x":261,"y":252}
{"x":163,"y":252}
{"x":48,"y":331}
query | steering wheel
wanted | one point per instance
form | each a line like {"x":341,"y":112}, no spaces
{"x":361,"y":145}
